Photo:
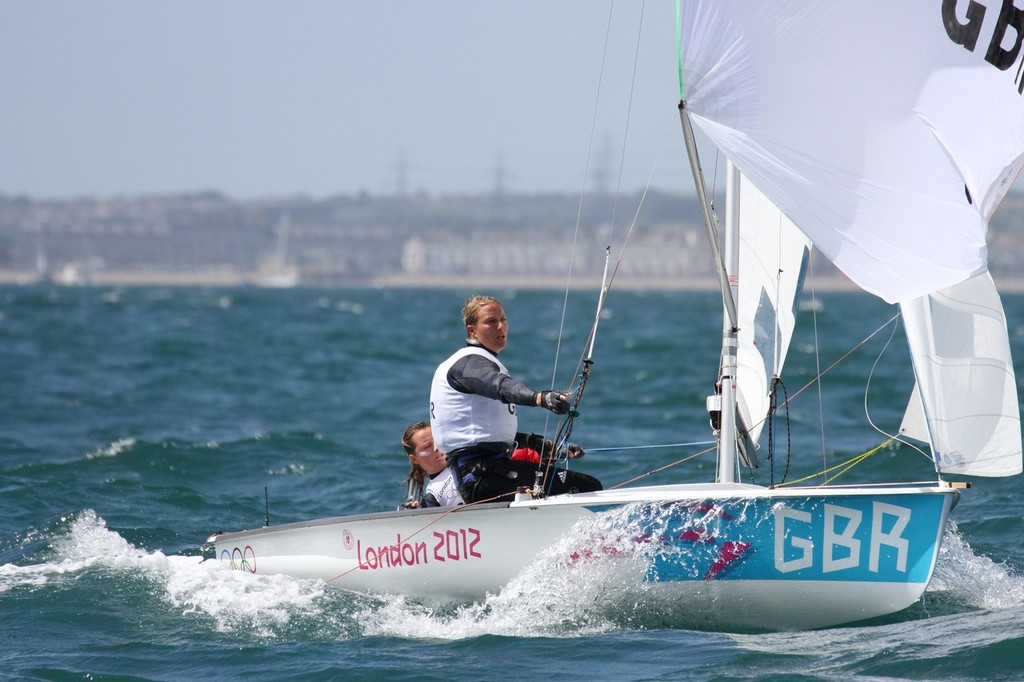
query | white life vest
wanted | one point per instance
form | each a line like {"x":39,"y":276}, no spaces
{"x":444,"y":488}
{"x":459,"y":419}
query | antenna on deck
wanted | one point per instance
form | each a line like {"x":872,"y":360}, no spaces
{"x":266,"y":504}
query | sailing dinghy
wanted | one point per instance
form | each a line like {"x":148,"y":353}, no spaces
{"x":882,"y":134}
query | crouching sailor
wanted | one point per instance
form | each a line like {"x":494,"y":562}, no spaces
{"x":473,"y":412}
{"x":431,"y":481}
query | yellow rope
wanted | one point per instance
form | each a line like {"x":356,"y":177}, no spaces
{"x":845,"y":466}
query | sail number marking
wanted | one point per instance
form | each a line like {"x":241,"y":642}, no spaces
{"x":842,"y":547}
{"x":1007,"y":31}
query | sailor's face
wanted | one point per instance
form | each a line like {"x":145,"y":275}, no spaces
{"x":491,"y":328}
{"x":426,"y":454}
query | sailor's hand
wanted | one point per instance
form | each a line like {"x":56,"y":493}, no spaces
{"x":554,"y":401}
{"x":539,"y":443}
{"x":574,"y":451}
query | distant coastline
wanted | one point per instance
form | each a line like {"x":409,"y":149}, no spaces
{"x":228,"y":279}
{"x":469,"y":242}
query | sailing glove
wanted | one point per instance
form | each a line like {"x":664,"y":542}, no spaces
{"x":554,"y":401}
{"x":534,"y":442}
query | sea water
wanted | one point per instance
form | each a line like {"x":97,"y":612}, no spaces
{"x":135,"y":422}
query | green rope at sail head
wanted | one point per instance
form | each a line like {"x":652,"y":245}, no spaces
{"x":679,"y":48}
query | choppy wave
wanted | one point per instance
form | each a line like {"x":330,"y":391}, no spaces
{"x":174,"y":413}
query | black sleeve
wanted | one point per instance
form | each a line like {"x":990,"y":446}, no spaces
{"x":478,"y":375}
{"x":430,"y":501}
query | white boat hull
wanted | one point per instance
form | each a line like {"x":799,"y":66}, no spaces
{"x":709,"y":556}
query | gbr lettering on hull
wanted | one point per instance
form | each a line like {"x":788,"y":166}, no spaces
{"x":842,"y":546}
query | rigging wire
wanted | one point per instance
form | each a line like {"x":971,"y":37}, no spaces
{"x":664,"y":468}
{"x":576,"y":231}
{"x":560,"y":441}
{"x":817,"y":364}
{"x":867,"y":388}
{"x":582,"y":373}
{"x":789,"y":399}
{"x":841,"y":358}
{"x":564,"y":430}
{"x":626,"y":128}
{"x":621,"y":448}
{"x":583,"y":192}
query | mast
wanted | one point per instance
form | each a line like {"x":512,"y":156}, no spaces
{"x":730,"y":331}
{"x":727,"y":398}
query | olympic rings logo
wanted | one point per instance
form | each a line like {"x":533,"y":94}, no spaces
{"x":239,"y":559}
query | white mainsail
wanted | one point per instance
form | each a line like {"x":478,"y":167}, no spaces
{"x":773,"y":256}
{"x":884,"y":133}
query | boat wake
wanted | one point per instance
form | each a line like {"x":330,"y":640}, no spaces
{"x":578,"y":586}
{"x":972,"y":580}
{"x":79,"y":553}
{"x":564,"y":593}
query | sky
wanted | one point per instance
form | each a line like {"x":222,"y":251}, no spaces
{"x":325,"y":97}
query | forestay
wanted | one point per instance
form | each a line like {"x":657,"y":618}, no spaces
{"x":888,"y":132}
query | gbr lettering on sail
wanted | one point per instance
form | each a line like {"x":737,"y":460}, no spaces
{"x":965,"y":22}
